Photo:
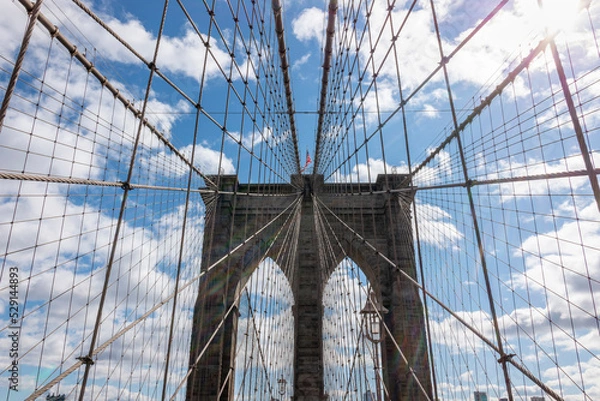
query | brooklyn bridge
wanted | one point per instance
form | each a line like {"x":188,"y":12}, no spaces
{"x":370,"y":200}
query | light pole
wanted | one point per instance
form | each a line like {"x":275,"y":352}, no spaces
{"x":282,"y":386}
{"x":372,"y":326}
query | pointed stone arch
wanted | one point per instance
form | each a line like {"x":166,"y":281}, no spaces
{"x":265,"y":300}
{"x":381,"y":217}
{"x":344,"y":296}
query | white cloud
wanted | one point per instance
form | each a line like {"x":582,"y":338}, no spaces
{"x":378,"y":102}
{"x":61,"y":249}
{"x":301,"y":61}
{"x":269,"y":308}
{"x":310,"y":24}
{"x":486,"y":55}
{"x":167,"y":165}
{"x":512,"y":167}
{"x":561,"y":265}
{"x":253,"y":138}
{"x":435,"y":172}
{"x":456,"y":336}
{"x":363,"y":172}
{"x":430,"y":111}
{"x":417,"y":48}
{"x":62,"y":243}
{"x":13,"y":21}
{"x":210,"y":161}
{"x":437,"y":227}
{"x":588,"y":372}
{"x":177,"y":54}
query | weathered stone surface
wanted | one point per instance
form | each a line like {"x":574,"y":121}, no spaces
{"x":381,"y":217}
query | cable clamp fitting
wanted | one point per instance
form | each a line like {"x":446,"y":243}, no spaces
{"x":470,"y":183}
{"x":125,"y":186}
{"x":506,"y":358}
{"x":86,"y":360}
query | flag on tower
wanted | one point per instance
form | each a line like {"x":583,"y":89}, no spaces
{"x":308,"y":161}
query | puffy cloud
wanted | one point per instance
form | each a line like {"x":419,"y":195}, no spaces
{"x":301,"y":61}
{"x":437,"y":227}
{"x":561,"y":265}
{"x":182,"y":54}
{"x":62,"y":271}
{"x":511,"y":168}
{"x":47,"y":140}
{"x":253,"y":138}
{"x":61,"y":242}
{"x":210,"y":161}
{"x":265,"y":307}
{"x":310,"y":24}
{"x":435,"y":172}
{"x":363,"y":172}
{"x":377,"y":103}
{"x":456,"y":336}
{"x":13,"y":21}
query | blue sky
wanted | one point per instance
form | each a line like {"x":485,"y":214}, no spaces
{"x":540,"y":236}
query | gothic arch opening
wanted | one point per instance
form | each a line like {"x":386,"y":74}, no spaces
{"x":264,"y":355}
{"x":351,"y":353}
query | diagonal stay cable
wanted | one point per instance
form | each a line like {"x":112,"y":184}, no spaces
{"x":396,"y":345}
{"x":12,"y":83}
{"x":110,"y":263}
{"x":325,"y":233}
{"x":487,"y":100}
{"x":415,"y":283}
{"x":370,"y":61}
{"x":115,"y":35}
{"x":356,"y":357}
{"x":54,"y":32}
{"x":261,"y":352}
{"x":433,"y":73}
{"x":290,"y":237}
{"x":333,"y":6}
{"x":111,"y":340}
{"x":158,"y":72}
{"x":207,"y":114}
{"x":288,"y":221}
{"x":285,"y":68}
{"x":242,"y":102}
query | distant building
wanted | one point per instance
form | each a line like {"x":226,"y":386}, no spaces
{"x":480,"y":396}
{"x":537,"y":398}
{"x":503,"y":399}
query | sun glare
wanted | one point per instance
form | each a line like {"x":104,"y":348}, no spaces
{"x":559,"y":14}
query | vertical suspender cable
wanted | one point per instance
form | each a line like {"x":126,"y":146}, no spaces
{"x":12,"y":83}
{"x":504,"y":358}
{"x":585,"y":152}
{"x":126,"y":188}
{"x":417,"y":237}
{"x":333,"y":5}
{"x":285,"y":68}
{"x":183,"y":227}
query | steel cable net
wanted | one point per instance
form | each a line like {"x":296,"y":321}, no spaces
{"x":119,"y":128}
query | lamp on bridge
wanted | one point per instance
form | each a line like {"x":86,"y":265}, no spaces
{"x":371,"y":315}
{"x":282,"y":386}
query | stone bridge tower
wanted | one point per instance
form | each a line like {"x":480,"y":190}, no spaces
{"x":381,"y":217}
